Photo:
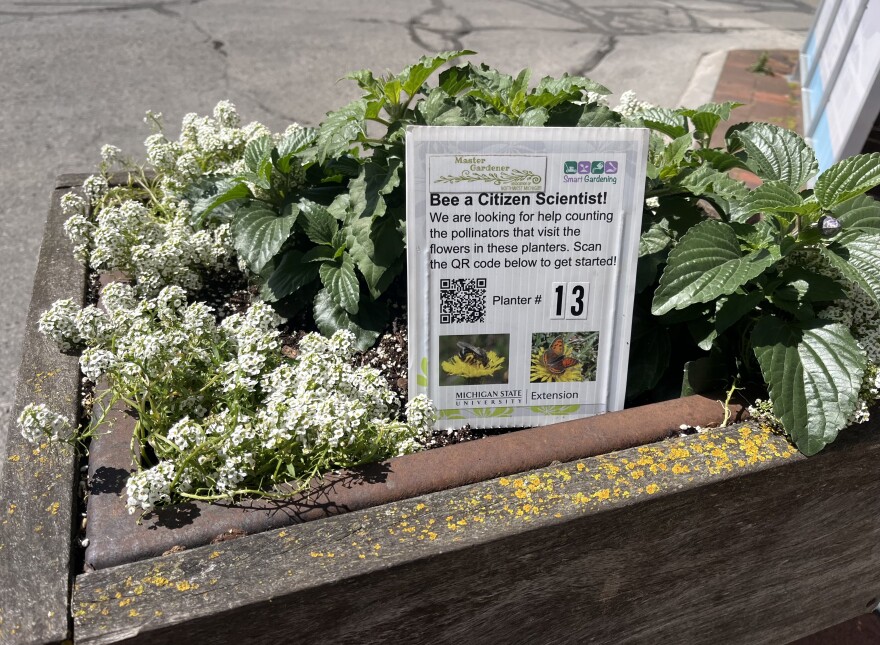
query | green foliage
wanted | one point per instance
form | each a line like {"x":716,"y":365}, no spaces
{"x":318,"y":216}
{"x":732,"y":281}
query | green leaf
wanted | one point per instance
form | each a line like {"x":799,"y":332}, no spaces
{"x":234,"y":191}
{"x":734,"y":308}
{"x":848,"y":178}
{"x":657,"y":238}
{"x":861,"y":212}
{"x":376,"y":180}
{"x":772,"y":196}
{"x":776,"y":153}
{"x":704,"y":374}
{"x":718,"y":159}
{"x":375,"y":248}
{"x":649,"y":354}
{"x":705,"y":264}
{"x":412,"y":78}
{"x":257,"y":151}
{"x":664,"y":120}
{"x":296,"y":141}
{"x":597,"y":117}
{"x":858,"y":259}
{"x":319,"y":225}
{"x":341,"y":129}
{"x":341,"y":282}
{"x":565,"y":86}
{"x":258,"y":235}
{"x":536,"y":117}
{"x":366,"y":326}
{"x":705,"y":180}
{"x":290,"y":275}
{"x":813,"y":373}
{"x":455,"y":80}
{"x":440,"y":109}
{"x":707,"y":117}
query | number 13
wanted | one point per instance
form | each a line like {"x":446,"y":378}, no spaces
{"x":570,"y":300}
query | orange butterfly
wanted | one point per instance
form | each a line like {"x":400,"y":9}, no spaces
{"x":555,"y":360}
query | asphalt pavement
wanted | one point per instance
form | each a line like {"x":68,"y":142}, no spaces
{"x":77,"y":74}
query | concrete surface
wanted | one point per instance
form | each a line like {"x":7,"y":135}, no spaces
{"x":77,"y":74}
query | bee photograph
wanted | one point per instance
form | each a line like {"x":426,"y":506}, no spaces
{"x":474,"y":359}
{"x":564,"y":357}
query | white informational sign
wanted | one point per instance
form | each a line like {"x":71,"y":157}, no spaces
{"x":522,"y":246}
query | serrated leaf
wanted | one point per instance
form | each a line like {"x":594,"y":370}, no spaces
{"x":566,"y":84}
{"x":707,"y":117}
{"x":705,"y":180}
{"x":861,"y":212}
{"x":341,"y":283}
{"x":341,"y":129}
{"x":776,"y":153}
{"x":257,"y":151}
{"x":296,"y":141}
{"x":813,"y":374}
{"x":412,"y":78}
{"x":375,"y":248}
{"x":848,"y":178}
{"x":455,"y":80}
{"x":231,"y":192}
{"x":858,"y":260}
{"x":536,"y":117}
{"x":366,"y":81}
{"x":705,"y":264}
{"x":258,"y":235}
{"x":290,"y":275}
{"x":440,"y":109}
{"x":366,"y":326}
{"x":598,"y":117}
{"x":375,"y":180}
{"x":718,"y":159}
{"x":657,"y":238}
{"x":773,"y":196}
{"x":664,"y":120}
{"x":318,"y":223}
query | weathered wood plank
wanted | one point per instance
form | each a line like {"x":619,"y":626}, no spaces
{"x":37,"y":488}
{"x":728,"y":536}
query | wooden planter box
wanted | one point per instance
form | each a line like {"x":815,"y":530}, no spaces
{"x":724,"y":536}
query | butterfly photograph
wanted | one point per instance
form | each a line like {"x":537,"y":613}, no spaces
{"x":564,"y":357}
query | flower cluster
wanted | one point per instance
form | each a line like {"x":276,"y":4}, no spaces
{"x":222,"y":409}
{"x":38,"y":423}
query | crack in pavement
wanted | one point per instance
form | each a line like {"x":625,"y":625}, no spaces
{"x":452,"y":36}
{"x":606,"y":46}
{"x":93,"y":8}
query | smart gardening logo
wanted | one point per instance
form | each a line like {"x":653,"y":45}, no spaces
{"x":590,"y":171}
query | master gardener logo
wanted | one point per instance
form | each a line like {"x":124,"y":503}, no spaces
{"x":487,"y":173}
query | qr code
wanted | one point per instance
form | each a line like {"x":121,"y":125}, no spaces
{"x":462,"y":300}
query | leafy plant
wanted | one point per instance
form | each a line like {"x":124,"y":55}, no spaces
{"x":734,"y":284}
{"x":319,"y":217}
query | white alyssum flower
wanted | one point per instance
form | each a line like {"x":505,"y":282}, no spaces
{"x":95,"y":187}
{"x":630,"y":105}
{"x":147,"y":488}
{"x":58,"y":323}
{"x":38,"y":423}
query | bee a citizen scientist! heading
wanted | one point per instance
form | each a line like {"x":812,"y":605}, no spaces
{"x":520,"y":199}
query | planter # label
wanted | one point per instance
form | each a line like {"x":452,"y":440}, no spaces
{"x":521,"y":253}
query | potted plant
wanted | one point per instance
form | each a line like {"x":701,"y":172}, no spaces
{"x":756,"y":281}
